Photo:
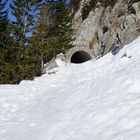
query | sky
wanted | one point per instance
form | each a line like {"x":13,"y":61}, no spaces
{"x":10,"y":15}
{"x":7,"y":6}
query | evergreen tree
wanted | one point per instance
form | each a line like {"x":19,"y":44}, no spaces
{"x":24,"y":12}
{"x":3,"y":14}
{"x":5,"y":43}
{"x":17,"y":64}
{"x":4,"y":23}
{"x":62,"y":28}
{"x":53,"y":31}
{"x":41,"y":39}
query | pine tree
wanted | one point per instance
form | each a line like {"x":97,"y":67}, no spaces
{"x":53,"y":31}
{"x":24,"y":12}
{"x":62,"y":28}
{"x":5,"y":43}
{"x":51,"y":34}
{"x":41,"y":39}
{"x":17,"y":64}
{"x":4,"y":23}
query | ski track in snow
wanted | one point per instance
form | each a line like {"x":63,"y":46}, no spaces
{"x":96,"y":100}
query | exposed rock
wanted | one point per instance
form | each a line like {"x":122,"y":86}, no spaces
{"x":61,"y":56}
{"x":122,"y":25}
{"x":49,"y":66}
{"x":52,"y":64}
{"x":137,"y":8}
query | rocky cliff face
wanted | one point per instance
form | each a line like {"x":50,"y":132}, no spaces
{"x":107,"y":25}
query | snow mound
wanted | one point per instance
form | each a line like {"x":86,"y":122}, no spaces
{"x":95,"y":100}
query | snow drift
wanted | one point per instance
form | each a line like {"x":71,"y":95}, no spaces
{"x":96,"y":100}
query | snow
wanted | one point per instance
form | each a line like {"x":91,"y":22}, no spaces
{"x":95,"y":100}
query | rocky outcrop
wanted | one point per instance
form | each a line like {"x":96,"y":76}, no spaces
{"x":108,"y":25}
{"x":52,"y":64}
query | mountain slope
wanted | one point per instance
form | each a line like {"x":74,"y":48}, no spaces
{"x":97,"y":100}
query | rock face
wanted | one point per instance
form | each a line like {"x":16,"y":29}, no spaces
{"x":108,"y":25}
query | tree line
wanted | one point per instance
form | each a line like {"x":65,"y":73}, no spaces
{"x":37,"y":31}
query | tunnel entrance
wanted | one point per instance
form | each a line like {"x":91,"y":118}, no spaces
{"x":80,"y":57}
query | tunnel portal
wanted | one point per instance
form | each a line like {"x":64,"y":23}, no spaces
{"x":79,"y":54}
{"x":80,"y":57}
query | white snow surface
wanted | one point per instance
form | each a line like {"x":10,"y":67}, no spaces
{"x":95,"y":100}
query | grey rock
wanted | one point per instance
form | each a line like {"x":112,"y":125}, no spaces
{"x":119,"y":21}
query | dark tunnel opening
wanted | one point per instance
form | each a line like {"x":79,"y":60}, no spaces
{"x":80,"y":57}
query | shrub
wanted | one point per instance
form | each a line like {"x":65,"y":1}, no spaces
{"x":75,"y":5}
{"x":87,"y":8}
{"x":108,"y":2}
{"x":85,"y":11}
{"x":121,"y":13}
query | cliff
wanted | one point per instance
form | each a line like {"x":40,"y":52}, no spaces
{"x":108,"y":25}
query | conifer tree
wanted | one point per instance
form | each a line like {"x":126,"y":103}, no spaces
{"x":24,"y":12}
{"x":4,"y":23}
{"x":41,"y":39}
{"x":62,"y":28}
{"x":53,"y":31}
{"x":17,"y":63}
{"x":4,"y":40}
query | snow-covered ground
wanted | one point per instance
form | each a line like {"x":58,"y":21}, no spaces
{"x":96,"y":100}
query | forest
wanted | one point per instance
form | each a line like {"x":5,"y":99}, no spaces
{"x":32,"y":32}
{"x":37,"y":31}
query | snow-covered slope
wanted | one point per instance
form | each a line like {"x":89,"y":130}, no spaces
{"x":96,"y":100}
